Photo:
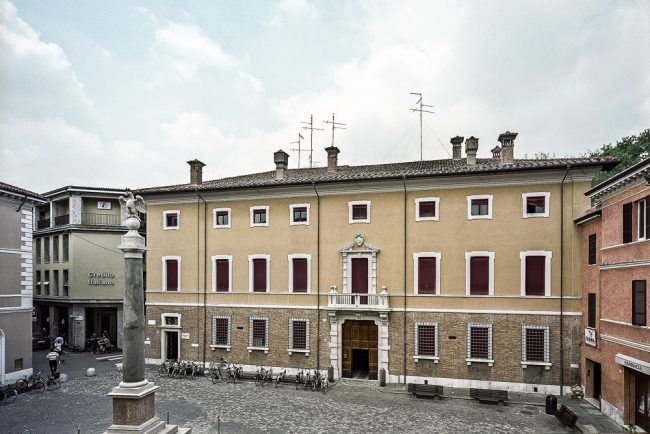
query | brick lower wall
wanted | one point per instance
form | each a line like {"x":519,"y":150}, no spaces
{"x":506,"y":329}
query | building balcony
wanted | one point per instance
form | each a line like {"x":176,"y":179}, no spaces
{"x":43,"y":223}
{"x":88,"y":219}
{"x":62,"y":220}
{"x":351,"y":301}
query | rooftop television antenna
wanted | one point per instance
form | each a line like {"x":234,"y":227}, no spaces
{"x":422,"y":108}
{"x":310,"y":126}
{"x":335,"y":126}
{"x":300,"y":137}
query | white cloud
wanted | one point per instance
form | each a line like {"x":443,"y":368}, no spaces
{"x":186,"y":50}
{"x":293,"y":9}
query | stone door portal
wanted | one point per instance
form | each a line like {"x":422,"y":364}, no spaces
{"x":360,"y":349}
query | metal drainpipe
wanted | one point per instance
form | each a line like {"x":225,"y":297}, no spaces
{"x":568,"y":166}
{"x":317,"y":277}
{"x":205,"y":250}
{"x":404,"y":321}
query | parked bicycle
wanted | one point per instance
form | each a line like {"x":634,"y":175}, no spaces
{"x":301,"y":378}
{"x":260,"y":376}
{"x":8,"y":393}
{"x":281,"y":378}
{"x":53,"y":382}
{"x":33,"y":382}
{"x":166,"y":368}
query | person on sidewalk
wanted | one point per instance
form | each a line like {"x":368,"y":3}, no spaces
{"x":53,"y":359}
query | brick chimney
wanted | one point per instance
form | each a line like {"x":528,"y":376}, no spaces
{"x":507,"y":140}
{"x":471,"y":148}
{"x":496,"y":153}
{"x":456,"y":143}
{"x":196,"y":171}
{"x":332,"y":157}
{"x":281,"y":160}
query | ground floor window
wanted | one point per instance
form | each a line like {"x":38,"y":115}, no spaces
{"x":535,"y":345}
{"x":221,"y":331}
{"x":298,"y":334}
{"x":426,"y":340}
{"x":258,"y":334}
{"x":479,"y":343}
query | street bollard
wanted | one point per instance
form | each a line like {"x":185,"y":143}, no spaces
{"x":551,"y":404}
{"x":218,"y":424}
{"x":167,"y":418}
{"x":382,"y":377}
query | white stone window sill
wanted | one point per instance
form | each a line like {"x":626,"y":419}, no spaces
{"x":546,"y":365}
{"x":480,"y":217}
{"x":469,"y":361}
{"x":293,"y":350}
{"x":265,"y":349}
{"x":224,"y":347}
{"x":528,"y":216}
{"x":434,"y":358}
{"x":165,"y":326}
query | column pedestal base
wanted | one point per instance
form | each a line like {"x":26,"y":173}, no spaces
{"x":134,"y":412}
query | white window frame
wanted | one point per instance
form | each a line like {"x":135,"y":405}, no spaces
{"x":163,"y":323}
{"x":470,"y":359}
{"x":436,"y":200}
{"x":469,"y":207}
{"x":213,"y":344}
{"x":251,"y":275}
{"x":358,"y":202}
{"x":164,"y":272}
{"x":416,"y":356}
{"x":547,"y":271}
{"x":178,"y":217}
{"x":291,"y":349}
{"x":252,"y":211}
{"x":252,"y":348}
{"x":416,"y":271}
{"x":299,"y":205}
{"x":214,"y":218}
{"x":290,"y":258}
{"x":547,"y":204}
{"x":468,"y":256}
{"x":639,"y":223}
{"x":214,"y":271}
{"x":547,"y":350}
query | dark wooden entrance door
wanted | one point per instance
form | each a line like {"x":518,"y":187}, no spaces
{"x":360,"y":278}
{"x":642,"y":410}
{"x":597,"y":391}
{"x":171,"y":345}
{"x":360,"y":349}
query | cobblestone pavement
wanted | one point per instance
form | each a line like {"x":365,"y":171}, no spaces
{"x":351,"y":406}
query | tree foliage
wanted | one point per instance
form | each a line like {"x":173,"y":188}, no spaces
{"x":630,"y":150}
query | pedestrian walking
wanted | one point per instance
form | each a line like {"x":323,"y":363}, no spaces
{"x":53,"y":359}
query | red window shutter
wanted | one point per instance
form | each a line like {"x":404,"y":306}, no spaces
{"x":426,"y":275}
{"x":639,"y":303}
{"x":535,"y":275}
{"x":427,"y":209}
{"x":172,"y":274}
{"x":359,"y":212}
{"x":223,"y":277}
{"x":299,"y":275}
{"x":259,"y":275}
{"x":479,"y":278}
{"x":359,"y":276}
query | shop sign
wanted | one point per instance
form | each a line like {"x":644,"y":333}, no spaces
{"x":635,"y":364}
{"x":101,"y":279}
{"x":590,"y":337}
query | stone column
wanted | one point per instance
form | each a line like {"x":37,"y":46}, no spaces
{"x":134,"y":398}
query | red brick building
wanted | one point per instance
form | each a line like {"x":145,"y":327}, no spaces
{"x":616,"y":269}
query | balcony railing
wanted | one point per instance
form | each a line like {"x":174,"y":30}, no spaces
{"x":61,"y":220}
{"x":43,"y":223}
{"x":100,"y":219}
{"x":357,"y":301}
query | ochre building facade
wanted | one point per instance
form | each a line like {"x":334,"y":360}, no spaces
{"x":449,"y":271}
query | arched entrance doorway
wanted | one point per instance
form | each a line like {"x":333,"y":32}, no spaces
{"x":360,"y":349}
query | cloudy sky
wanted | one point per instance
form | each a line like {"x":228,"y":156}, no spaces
{"x":116,"y":94}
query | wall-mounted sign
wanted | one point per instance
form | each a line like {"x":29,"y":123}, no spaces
{"x":632,"y":363}
{"x":590,"y":337}
{"x":101,"y":279}
{"x":34,"y":315}
{"x":185,"y":335}
{"x":151,"y":322}
{"x":103,"y":204}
